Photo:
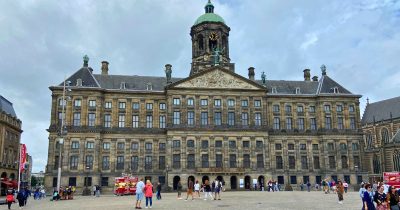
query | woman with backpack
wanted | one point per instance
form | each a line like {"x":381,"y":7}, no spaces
{"x":148,"y":193}
{"x":10,"y":199}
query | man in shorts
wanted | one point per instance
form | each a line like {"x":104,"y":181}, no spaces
{"x":139,"y":193}
{"x":190,"y":190}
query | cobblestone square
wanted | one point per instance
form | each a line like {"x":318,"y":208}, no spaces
{"x":230,"y":200}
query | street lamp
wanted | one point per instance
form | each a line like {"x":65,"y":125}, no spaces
{"x":166,"y":182}
{"x":86,"y":191}
{"x":62,"y":134}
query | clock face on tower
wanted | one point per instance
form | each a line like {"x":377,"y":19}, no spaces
{"x":213,"y":36}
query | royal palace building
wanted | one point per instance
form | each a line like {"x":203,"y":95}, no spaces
{"x":213,"y":124}
{"x":381,"y":125}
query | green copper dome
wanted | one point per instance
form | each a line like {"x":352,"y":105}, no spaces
{"x":209,"y":17}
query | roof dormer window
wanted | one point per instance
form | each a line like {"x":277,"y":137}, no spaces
{"x":79,"y":82}
{"x":149,"y":86}
{"x":297,"y":90}
{"x":335,"y":90}
{"x":122,"y":86}
{"x":274,"y":90}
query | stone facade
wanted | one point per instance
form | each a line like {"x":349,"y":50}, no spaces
{"x":10,"y":136}
{"x":381,"y":126}
{"x":212,"y":124}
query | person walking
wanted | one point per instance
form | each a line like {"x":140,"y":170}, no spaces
{"x":21,"y":198}
{"x":179,"y":189}
{"x":340,"y":191}
{"x":361,"y":192}
{"x":94,"y":190}
{"x":139,"y":193}
{"x":380,"y":199}
{"x":308,"y":186}
{"x":158,"y":191}
{"x":218,"y":187}
{"x":189,"y":189}
{"x":148,"y":192}
{"x":197,"y":188}
{"x":393,"y":198}
{"x":207,"y":190}
{"x":367,"y":198}
{"x":10,"y":199}
{"x":345,"y":185}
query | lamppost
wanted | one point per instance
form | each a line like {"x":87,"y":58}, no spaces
{"x":63,"y":132}
{"x":166,"y":181}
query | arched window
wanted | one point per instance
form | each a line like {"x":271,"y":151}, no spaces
{"x":368,"y":140}
{"x":385,"y":135}
{"x":224,"y":44}
{"x":376,"y":164}
{"x":396,"y":160}
{"x":200,"y":42}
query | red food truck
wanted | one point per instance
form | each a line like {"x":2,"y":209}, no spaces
{"x":125,"y":185}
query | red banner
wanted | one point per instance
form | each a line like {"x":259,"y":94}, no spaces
{"x":22,"y":156}
{"x":392,"y":178}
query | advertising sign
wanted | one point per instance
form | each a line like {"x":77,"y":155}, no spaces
{"x":392,"y":178}
{"x":22,"y":160}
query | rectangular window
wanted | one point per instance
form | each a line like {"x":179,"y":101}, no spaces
{"x":275,"y":108}
{"x":91,"y":119}
{"x":218,"y":144}
{"x":356,"y":160}
{"x":108,"y":105}
{"x":246,"y":161}
{"x":148,"y":146}
{"x":315,"y":146}
{"x":104,"y":181}
{"x":231,"y":118}
{"x":106,"y":145}
{"x":246,"y":144}
{"x":190,"y":102}
{"x":312,"y":109}
{"x":304,"y":162}
{"x":245,"y":118}
{"x":352,"y":123}
{"x":217,"y":118}
{"x":73,"y":163}
{"x":135,"y":121}
{"x":278,"y":146}
{"x":217,"y":102}
{"x":260,"y":161}
{"x":89,"y":162}
{"x":62,"y":102}
{"x":327,"y":108}
{"x":204,"y":161}
{"x":328,"y":123}
{"x":77,"y":119}
{"x":135,"y":146}
{"x":161,"y":146}
{"x":148,"y":160}
{"x":300,"y":109}
{"x":288,"y":109}
{"x":77,"y":103}
{"x":120,"y":145}
{"x":289,"y":123}
{"x":75,"y":145}
{"x":92,"y":103}
{"x":351,"y":108}
{"x":190,"y":161}
{"x":61,"y":116}
{"x":106,"y":163}
{"x":303,"y":146}
{"x":176,"y":158}
{"x":313,"y":124}
{"x":162,"y":121}
{"x":293,"y":179}
{"x":232,"y":144}
{"x":340,"y":123}
{"x":135,"y":105}
{"x":121,"y":120}
{"x":290,"y":146}
{"x":161,"y":162}
{"x":300,"y":123}
{"x":292,"y":162}
{"x":107,"y":120}
{"x":176,"y":101}
{"x":355,"y":146}
{"x":72,"y":181}
{"x":257,"y":119}
{"x":245,"y":103}
{"x":87,"y":181}
{"x":279,"y":162}
{"x":149,"y":106}
{"x":332,"y":163}
{"x":162,"y":106}
{"x":316,"y":162}
{"x":203,"y":102}
{"x":190,"y":143}
{"x":204,"y":144}
{"x":176,"y":143}
{"x":56,"y":160}
{"x":177,"y":118}
{"x":281,"y":180}
{"x":231,"y":102}
{"x":121,"y":105}
{"x":218,"y":160}
{"x":204,"y":118}
{"x":257,"y":103}
{"x":345,"y":165}
{"x":276,"y":123}
{"x":149,"y":121}
{"x":232,"y":161}
{"x":190,"y":117}
{"x":259,"y":145}
{"x":134,"y":163}
{"x":89,"y":145}
{"x":120,"y":162}
{"x":339,"y":108}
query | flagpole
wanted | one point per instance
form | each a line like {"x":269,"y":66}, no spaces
{"x":19,"y":168}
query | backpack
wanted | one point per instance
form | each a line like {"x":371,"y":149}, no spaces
{"x":10,"y":198}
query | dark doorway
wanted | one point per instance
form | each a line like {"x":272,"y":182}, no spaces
{"x":190,"y":178}
{"x":147,"y":178}
{"x":247,"y":182}
{"x":233,"y":182}
{"x":175,"y":183}
{"x":261,"y":182}
{"x":220,"y":178}
{"x":203,"y":180}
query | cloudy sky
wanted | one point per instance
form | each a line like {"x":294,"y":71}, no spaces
{"x":41,"y":41}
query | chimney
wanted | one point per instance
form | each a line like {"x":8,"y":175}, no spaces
{"x":251,"y":73}
{"x":168,"y":72}
{"x":306,"y":74}
{"x":104,"y":68}
{"x":315,"y":78}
